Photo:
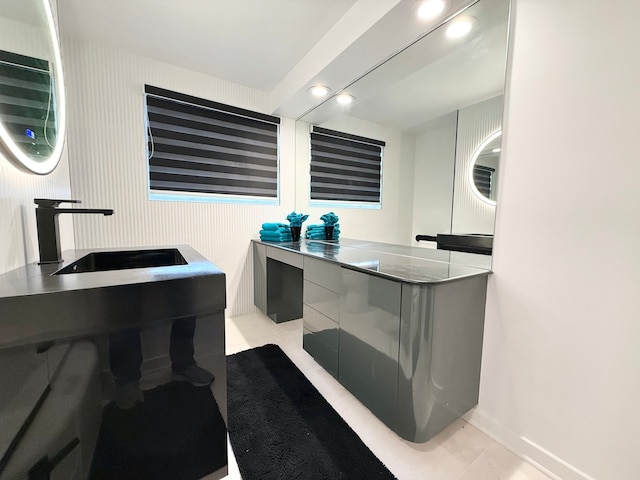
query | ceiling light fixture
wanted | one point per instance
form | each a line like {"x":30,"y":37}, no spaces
{"x":430,"y":9}
{"x":319,"y":91}
{"x":460,"y":27}
{"x":345,"y":99}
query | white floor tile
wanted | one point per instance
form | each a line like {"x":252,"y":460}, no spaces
{"x":498,"y":463}
{"x":460,"y":452}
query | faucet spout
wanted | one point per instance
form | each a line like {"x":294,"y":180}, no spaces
{"x":103,"y":211}
{"x":47,"y":226}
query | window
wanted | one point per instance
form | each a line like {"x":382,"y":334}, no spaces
{"x":27,"y":103}
{"x":483,"y":179}
{"x":345,"y":168}
{"x":203,"y":150}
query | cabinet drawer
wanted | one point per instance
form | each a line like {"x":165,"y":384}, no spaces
{"x":324,"y":355}
{"x":290,"y":258}
{"x":322,"y":326}
{"x":325,"y":274}
{"x":322,"y":299}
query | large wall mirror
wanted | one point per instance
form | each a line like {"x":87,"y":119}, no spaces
{"x":32,"y":97}
{"x":443,"y":95}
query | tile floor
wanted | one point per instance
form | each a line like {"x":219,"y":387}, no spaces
{"x":461,"y":452}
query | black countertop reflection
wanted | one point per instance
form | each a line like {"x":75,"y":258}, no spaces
{"x":397,"y":262}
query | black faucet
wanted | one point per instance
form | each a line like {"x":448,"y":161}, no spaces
{"x":47,"y":226}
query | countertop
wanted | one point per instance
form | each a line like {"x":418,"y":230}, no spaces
{"x":36,"y":306}
{"x":397,"y":262}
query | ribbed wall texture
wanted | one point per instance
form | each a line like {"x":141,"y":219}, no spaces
{"x":18,"y":237}
{"x":475,"y":124}
{"x":109,"y":168}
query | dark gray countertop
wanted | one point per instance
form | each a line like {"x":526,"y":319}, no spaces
{"x":36,"y":306}
{"x":397,"y":262}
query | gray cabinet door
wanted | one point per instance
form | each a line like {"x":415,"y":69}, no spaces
{"x":369,"y":341}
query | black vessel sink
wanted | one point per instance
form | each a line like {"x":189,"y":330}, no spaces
{"x":122,"y":260}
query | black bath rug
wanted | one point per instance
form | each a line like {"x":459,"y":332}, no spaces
{"x":177,"y":433}
{"x":280,"y":426}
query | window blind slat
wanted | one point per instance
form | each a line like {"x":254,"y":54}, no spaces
{"x":197,"y":146}
{"x":27,"y":103}
{"x":483,"y":179}
{"x":344,"y":167}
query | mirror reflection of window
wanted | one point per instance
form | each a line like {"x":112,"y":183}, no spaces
{"x":32,"y":97}
{"x":485,"y":167}
{"x":27,"y":100}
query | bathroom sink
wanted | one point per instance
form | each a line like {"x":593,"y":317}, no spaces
{"x":123,"y":260}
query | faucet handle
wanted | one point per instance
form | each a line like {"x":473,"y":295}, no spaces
{"x":50,"y":203}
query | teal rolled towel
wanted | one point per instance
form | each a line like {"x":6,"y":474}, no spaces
{"x":274,"y":233}
{"x":273,"y":225}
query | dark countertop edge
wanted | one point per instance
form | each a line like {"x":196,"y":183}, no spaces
{"x":197,"y":266}
{"x":27,"y":318}
{"x":284,"y":246}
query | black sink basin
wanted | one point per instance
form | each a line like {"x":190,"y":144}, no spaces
{"x":122,"y":260}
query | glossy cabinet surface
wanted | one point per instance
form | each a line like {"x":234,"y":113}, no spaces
{"x":400,"y":330}
{"x":75,"y":397}
{"x":369,"y":338}
{"x":321,"y":320}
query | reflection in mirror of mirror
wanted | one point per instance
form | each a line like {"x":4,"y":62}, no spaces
{"x":432,"y":103}
{"x":483,"y":171}
{"x":32,"y":105}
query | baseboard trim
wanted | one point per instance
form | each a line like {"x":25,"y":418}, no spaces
{"x":550,"y":464}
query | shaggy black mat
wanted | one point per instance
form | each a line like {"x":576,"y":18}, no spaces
{"x":177,"y":433}
{"x":282,"y":428}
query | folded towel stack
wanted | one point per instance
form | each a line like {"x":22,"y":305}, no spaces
{"x":316,"y":232}
{"x":275,"y":232}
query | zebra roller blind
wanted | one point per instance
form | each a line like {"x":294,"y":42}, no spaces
{"x":483,"y":178}
{"x":345,"y":167}
{"x":27,"y":103}
{"x":196,"y":145}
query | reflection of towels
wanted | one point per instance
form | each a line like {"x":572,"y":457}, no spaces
{"x":275,"y":232}
{"x":316,"y":232}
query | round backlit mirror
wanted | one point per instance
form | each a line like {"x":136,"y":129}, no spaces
{"x":32,"y":99}
{"x":483,"y":171}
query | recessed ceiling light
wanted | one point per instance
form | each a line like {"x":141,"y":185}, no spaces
{"x":430,"y":9}
{"x":460,"y":27}
{"x":344,"y":99}
{"x":319,"y":91}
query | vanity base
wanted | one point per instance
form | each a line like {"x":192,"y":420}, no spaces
{"x":410,"y":352}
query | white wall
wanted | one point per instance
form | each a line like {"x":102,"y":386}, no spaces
{"x":560,"y":379}
{"x":109,"y":170}
{"x":433,"y":177}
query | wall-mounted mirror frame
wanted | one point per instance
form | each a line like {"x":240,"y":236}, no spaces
{"x":453,"y":111}
{"x":484,"y":186}
{"x":44,"y":151}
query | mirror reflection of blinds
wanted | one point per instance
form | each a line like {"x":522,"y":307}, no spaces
{"x":196,"y":145}
{"x":345,"y":167}
{"x":483,"y":179}
{"x":27,"y":103}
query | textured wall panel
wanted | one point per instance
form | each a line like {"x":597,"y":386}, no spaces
{"x":109,"y":167}
{"x":18,"y":236}
{"x":475,"y":124}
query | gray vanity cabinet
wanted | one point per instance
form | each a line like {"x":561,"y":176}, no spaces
{"x":369,"y":340}
{"x":321,"y":312}
{"x":401,"y":330}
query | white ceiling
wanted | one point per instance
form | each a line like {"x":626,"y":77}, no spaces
{"x":250,"y":42}
{"x":284,"y":46}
